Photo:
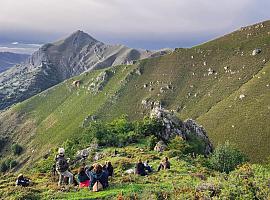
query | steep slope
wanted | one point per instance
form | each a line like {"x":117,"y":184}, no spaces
{"x":204,"y":83}
{"x":8,"y":59}
{"x":58,"y":61}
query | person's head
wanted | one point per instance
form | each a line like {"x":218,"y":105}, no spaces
{"x":81,"y":170}
{"x":109,"y":163}
{"x":97,"y":168}
{"x":140,"y":161}
{"x":61,"y":151}
{"x":147,"y":162}
{"x":166,"y":158}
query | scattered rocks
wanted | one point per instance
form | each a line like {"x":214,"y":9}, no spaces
{"x":101,"y":80}
{"x":88,"y":119}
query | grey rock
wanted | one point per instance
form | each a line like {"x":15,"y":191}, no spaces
{"x":256,"y":51}
{"x":173,"y":126}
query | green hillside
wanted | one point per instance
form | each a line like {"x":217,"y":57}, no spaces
{"x":203,"y":83}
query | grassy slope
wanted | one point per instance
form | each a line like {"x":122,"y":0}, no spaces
{"x":57,"y":114}
{"x":178,"y":183}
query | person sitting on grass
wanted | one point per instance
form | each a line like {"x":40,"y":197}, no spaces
{"x":148,"y":167}
{"x":98,"y":178}
{"x":165,"y":164}
{"x":108,"y":168}
{"x":140,"y":168}
{"x":84,"y":180}
{"x":22,"y":181}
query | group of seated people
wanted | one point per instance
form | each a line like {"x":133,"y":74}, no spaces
{"x":144,"y":168}
{"x":92,"y":176}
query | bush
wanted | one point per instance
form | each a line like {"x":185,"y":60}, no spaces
{"x":16,"y":149}
{"x":12,"y":164}
{"x":151,"y":142}
{"x":226,"y":158}
{"x":3,"y":167}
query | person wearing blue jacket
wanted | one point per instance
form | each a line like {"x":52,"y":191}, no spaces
{"x":97,"y":174}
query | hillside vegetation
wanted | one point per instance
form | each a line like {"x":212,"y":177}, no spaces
{"x":219,"y":83}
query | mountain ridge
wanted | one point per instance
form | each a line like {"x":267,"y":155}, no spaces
{"x":58,"y":61}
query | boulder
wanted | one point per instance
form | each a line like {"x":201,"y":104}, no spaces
{"x":256,"y":51}
{"x":160,"y":146}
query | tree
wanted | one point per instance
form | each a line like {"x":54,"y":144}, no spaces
{"x":226,"y":158}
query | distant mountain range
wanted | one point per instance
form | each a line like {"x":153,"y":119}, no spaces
{"x":58,"y":61}
{"x":8,"y":59}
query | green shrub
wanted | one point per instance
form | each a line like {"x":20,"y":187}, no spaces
{"x":226,"y":157}
{"x":3,"y":167}
{"x":16,"y":149}
{"x":12,"y":164}
{"x":151,"y":142}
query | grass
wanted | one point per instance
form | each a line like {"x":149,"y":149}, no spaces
{"x":180,"y":182}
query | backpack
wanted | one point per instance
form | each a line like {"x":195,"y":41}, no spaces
{"x":61,"y":164}
{"x":97,"y":186}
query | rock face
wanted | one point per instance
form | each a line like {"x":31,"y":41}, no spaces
{"x":8,"y":60}
{"x":56,"y":62}
{"x":173,"y":126}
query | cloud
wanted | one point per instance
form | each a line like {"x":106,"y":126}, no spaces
{"x":140,"y":20}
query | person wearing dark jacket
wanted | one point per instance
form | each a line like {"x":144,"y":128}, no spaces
{"x":84,"y":180}
{"x":62,"y":167}
{"x":22,"y":181}
{"x":109,"y":168}
{"x":165,"y":164}
{"x":140,"y":168}
{"x":97,"y":174}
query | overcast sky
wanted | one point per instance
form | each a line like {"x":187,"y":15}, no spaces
{"x":149,"y":24}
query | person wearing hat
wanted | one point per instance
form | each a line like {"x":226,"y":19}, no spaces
{"x":22,"y":181}
{"x":62,"y":167}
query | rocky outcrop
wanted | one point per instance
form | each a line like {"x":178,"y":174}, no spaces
{"x":58,"y":61}
{"x":172,"y":126}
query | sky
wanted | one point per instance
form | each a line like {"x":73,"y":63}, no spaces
{"x":148,"y":24}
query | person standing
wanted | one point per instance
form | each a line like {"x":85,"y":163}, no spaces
{"x":62,"y":167}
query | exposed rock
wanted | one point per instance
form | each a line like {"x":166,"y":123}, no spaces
{"x":256,"y":51}
{"x":88,"y":119}
{"x":101,"y":80}
{"x":160,"y":146}
{"x":76,"y":83}
{"x":241,"y":96}
{"x":84,"y":153}
{"x":172,"y":126}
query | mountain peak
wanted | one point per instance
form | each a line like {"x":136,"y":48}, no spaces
{"x":78,"y":37}
{"x":81,"y":35}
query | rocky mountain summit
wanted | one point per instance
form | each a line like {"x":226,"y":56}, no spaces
{"x":8,"y":59}
{"x":58,"y":61}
